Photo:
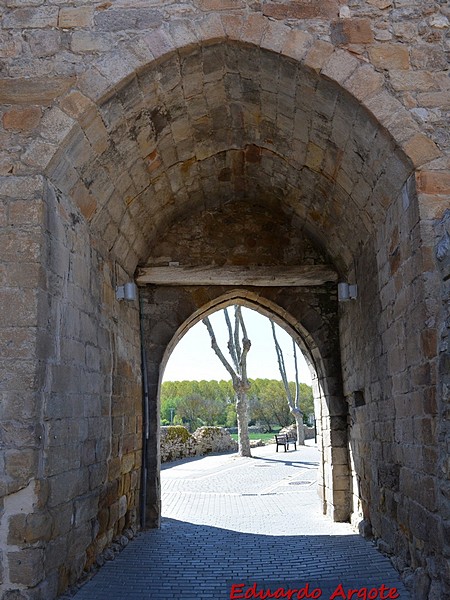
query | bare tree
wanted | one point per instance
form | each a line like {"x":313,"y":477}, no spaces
{"x":237,"y":371}
{"x":294,"y":402}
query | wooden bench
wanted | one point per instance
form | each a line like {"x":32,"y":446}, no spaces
{"x":284,"y":440}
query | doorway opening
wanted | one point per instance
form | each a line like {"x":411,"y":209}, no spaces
{"x":324,"y":377}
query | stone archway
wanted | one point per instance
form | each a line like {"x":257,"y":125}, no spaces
{"x":181,"y":307}
{"x":312,"y":134}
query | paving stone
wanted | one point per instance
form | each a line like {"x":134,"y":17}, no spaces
{"x":241,"y":515}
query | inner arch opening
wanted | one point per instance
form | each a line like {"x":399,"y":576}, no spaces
{"x":291,"y":311}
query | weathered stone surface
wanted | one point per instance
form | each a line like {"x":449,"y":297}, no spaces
{"x":390,"y":56}
{"x":75,"y":17}
{"x":34,"y":90}
{"x":25,"y":119}
{"x":434,"y":182}
{"x":213,"y":439}
{"x":421,"y":149}
{"x":26,"y":567}
{"x":30,"y":17}
{"x":352,"y":31}
{"x":301,"y":9}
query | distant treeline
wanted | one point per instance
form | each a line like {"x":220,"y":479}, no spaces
{"x":196,"y":403}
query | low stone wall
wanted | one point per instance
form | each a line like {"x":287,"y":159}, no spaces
{"x":292,"y":431}
{"x":177,"y":442}
{"x":213,"y":439}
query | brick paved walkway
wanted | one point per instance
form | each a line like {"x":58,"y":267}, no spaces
{"x":231,"y":520}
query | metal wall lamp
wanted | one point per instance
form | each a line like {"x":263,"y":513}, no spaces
{"x":127,"y":292}
{"x":347,"y":292}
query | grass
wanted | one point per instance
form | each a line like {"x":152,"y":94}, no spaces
{"x":265,"y":437}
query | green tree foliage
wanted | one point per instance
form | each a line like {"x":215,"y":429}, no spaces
{"x":212,"y":403}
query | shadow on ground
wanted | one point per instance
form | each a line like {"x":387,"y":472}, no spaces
{"x":185,"y":561}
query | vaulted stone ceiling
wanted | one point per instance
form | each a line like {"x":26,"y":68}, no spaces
{"x":225,"y":123}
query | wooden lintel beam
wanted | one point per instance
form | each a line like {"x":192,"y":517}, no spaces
{"x":237,"y":275}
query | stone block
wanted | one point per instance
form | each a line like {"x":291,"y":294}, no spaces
{"x":29,"y":529}
{"x":364,"y":82}
{"x":61,"y":519}
{"x":207,"y":5}
{"x":25,"y":212}
{"x":22,"y":119}
{"x":80,"y":16}
{"x":296,"y":43}
{"x":318,"y":55}
{"x":428,"y":58}
{"x":68,"y":485}
{"x":44,"y":42}
{"x":127,"y":18}
{"x":86,"y":41}
{"x":21,"y":465}
{"x":93,"y":84}
{"x":412,"y":81}
{"x":56,"y":125}
{"x":26,"y":567}
{"x":97,"y":475}
{"x":314,"y":156}
{"x":19,"y":374}
{"x":85,"y":201}
{"x":390,"y":56}
{"x":273,"y":37}
{"x":351,"y":31}
{"x":20,"y":405}
{"x":97,"y":135}
{"x":340,"y":66}
{"x":79,"y":539}
{"x":301,"y":9}
{"x":55,"y":554}
{"x":434,"y":182}
{"x":433,"y":99}
{"x":21,"y":188}
{"x":62,"y":459}
{"x":33,"y":18}
{"x":85,"y":509}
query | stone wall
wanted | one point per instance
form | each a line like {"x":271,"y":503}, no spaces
{"x":176,"y":442}
{"x":121,"y":120}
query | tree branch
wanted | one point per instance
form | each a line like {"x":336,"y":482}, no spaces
{"x":230,"y":345}
{"x":282,"y":368}
{"x":297,"y":385}
{"x":218,"y":351}
{"x":246,"y":344}
{"x":237,"y":345}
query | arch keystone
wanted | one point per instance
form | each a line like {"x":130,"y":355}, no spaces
{"x":232,"y":25}
{"x":318,"y":55}
{"x":296,"y":44}
{"x":254,"y":29}
{"x":340,"y":66}
{"x":211,"y":28}
{"x":364,"y":82}
{"x":183,"y":35}
{"x":273,"y":37}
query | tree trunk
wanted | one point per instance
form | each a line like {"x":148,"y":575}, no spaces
{"x":298,"y":415}
{"x":242,"y":419}
{"x":238,"y":374}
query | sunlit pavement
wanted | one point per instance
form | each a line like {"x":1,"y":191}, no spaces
{"x":231,"y":521}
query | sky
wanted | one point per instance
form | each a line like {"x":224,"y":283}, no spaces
{"x":194,"y":359}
